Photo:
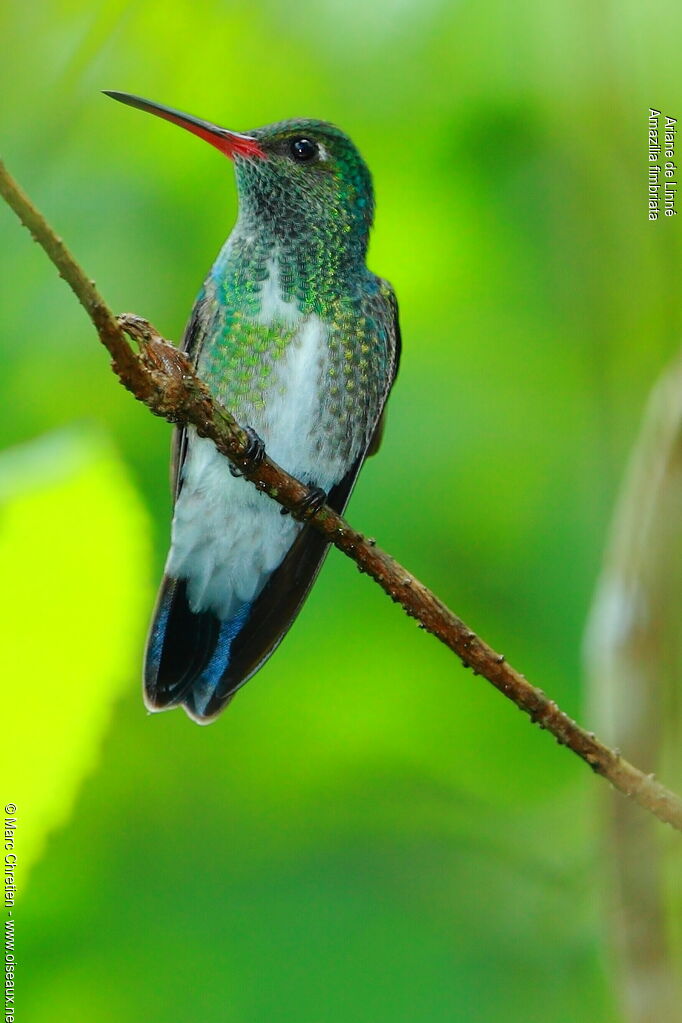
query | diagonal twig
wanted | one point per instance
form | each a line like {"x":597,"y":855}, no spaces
{"x":161,"y":377}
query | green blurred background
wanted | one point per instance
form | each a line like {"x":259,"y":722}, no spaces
{"x":369,"y":832}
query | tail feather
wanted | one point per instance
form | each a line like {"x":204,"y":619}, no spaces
{"x":197,"y":660}
{"x":188,"y":653}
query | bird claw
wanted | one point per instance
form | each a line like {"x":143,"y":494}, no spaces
{"x":252,"y":457}
{"x":309,"y":505}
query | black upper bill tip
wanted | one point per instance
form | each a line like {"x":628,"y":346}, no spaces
{"x":231,"y":143}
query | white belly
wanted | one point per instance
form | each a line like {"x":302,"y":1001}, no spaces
{"x":227,"y":537}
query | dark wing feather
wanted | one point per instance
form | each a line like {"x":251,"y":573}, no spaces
{"x":276,"y":607}
{"x":193,"y":339}
{"x":390,"y":314}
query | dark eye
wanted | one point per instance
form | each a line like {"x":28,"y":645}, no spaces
{"x":304,"y":150}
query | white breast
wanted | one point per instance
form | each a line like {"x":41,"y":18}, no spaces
{"x":227,"y":538}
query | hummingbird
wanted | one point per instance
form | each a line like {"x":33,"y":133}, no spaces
{"x":300,"y":341}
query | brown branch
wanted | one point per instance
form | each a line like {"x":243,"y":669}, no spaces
{"x":162,"y":378}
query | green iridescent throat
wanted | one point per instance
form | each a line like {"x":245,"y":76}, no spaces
{"x":309,"y":227}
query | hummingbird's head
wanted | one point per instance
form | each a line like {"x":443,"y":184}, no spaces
{"x":294,"y":178}
{"x":310,"y":174}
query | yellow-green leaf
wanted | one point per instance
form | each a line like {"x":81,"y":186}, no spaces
{"x":74,"y":550}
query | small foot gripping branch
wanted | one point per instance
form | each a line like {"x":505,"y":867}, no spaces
{"x":310,"y":504}
{"x":253,"y":456}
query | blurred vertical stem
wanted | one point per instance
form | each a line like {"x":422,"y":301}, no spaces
{"x":633,"y":663}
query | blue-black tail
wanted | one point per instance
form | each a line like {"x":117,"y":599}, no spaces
{"x":198,"y":661}
{"x":188,"y":654}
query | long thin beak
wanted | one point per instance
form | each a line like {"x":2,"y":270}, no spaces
{"x":231,"y":143}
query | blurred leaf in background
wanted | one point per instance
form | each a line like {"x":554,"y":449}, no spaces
{"x":376,"y":837}
{"x":74,"y":549}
